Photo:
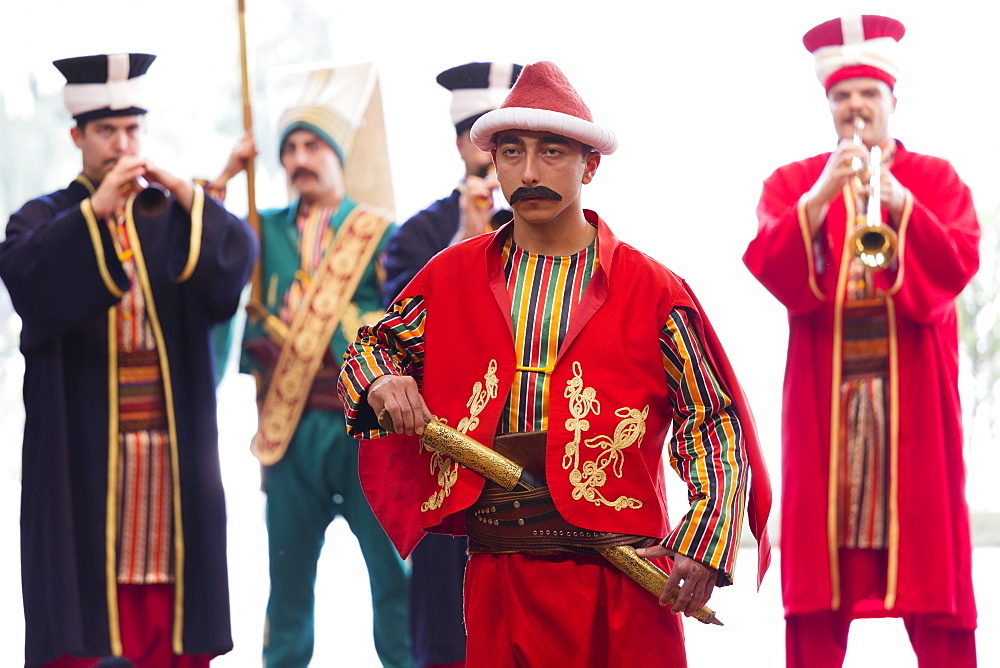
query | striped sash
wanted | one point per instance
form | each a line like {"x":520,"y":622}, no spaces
{"x":866,"y":348}
{"x":863,"y":467}
{"x":141,"y":403}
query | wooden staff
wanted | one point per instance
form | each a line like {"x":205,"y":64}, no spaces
{"x":257,"y":279}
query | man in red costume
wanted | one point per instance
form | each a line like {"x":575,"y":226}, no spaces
{"x":874,"y":518}
{"x":574,"y":354}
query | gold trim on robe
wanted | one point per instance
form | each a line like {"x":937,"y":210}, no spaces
{"x":892,"y":573}
{"x":892,"y":549}
{"x":197,"y":226}
{"x":835,"y":377}
{"x":154,"y":321}
{"x":903,"y":224}
{"x":807,"y":241}
{"x":111,"y":507}
{"x":95,"y":239}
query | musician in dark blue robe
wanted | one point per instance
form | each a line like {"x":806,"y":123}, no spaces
{"x":123,"y":521}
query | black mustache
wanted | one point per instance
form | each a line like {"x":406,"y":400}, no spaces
{"x":302,"y":170}
{"x":537,"y":191}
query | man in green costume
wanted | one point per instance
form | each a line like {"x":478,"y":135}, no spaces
{"x":319,"y":282}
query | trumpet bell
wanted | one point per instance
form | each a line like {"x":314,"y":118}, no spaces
{"x":873,"y":242}
{"x":151,"y":201}
{"x":150,"y":198}
{"x":875,"y":245}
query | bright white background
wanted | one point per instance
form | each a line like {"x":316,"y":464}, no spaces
{"x":706,"y":99}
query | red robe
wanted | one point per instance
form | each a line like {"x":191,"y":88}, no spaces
{"x":929,"y":552}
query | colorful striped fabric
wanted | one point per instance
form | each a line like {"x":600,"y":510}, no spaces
{"x":315,"y":236}
{"x":543,"y":291}
{"x":392,"y":346}
{"x":141,"y":403}
{"x":705,"y":449}
{"x":145,"y":549}
{"x":145,"y":488}
{"x":863,"y":466}
{"x":134,"y":331}
{"x":863,"y":476}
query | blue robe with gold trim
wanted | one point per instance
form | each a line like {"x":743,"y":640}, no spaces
{"x":420,"y":238}
{"x":62,"y":271}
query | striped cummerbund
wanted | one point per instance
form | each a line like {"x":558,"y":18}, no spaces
{"x":141,"y":403}
{"x":866,"y":346}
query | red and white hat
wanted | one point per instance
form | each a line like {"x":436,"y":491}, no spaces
{"x":543,"y":100}
{"x":856,"y":46}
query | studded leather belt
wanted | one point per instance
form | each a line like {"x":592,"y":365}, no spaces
{"x":502,"y":521}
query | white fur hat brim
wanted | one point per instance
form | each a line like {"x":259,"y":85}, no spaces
{"x":600,"y":138}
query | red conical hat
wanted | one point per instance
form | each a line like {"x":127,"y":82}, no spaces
{"x":544,"y":100}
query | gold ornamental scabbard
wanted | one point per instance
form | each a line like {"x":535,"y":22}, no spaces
{"x":499,"y":469}
{"x":474,"y":455}
{"x":649,"y":576}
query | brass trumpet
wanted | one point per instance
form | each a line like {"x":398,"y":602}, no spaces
{"x":150,"y":199}
{"x":872,"y":242}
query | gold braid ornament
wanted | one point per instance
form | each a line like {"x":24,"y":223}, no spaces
{"x":499,"y":469}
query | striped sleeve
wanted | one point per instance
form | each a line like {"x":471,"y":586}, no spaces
{"x":393,"y":345}
{"x":706,"y":451}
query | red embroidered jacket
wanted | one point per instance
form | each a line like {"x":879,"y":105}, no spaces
{"x":609,"y":411}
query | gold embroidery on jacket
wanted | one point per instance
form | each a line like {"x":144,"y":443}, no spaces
{"x":594,"y":474}
{"x":444,"y":467}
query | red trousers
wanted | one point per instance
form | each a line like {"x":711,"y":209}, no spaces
{"x":819,"y":639}
{"x":564,"y":610}
{"x":146,"y":613}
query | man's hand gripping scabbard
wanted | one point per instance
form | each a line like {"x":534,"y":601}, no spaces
{"x":499,"y":469}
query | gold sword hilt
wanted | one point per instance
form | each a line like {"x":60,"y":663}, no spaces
{"x":650,"y":577}
{"x":499,"y":469}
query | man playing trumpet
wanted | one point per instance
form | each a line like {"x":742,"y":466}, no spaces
{"x":874,"y":519}
{"x":572,"y":354}
{"x":123,"y":518}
